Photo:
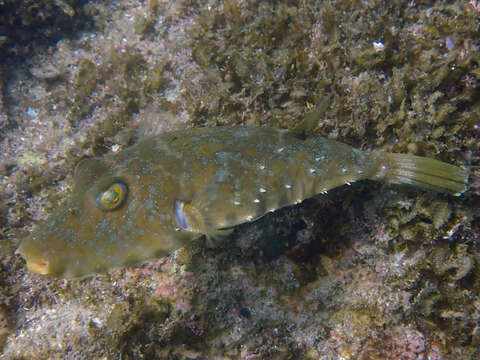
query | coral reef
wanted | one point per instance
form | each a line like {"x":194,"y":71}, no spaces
{"x":365,"y":272}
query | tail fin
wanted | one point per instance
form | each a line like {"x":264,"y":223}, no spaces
{"x":426,"y":173}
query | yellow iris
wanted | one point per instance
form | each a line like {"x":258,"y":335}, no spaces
{"x":111,"y":198}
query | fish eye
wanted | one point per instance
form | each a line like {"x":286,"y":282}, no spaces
{"x":113,"y":197}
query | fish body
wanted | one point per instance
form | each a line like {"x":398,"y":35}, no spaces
{"x":169,"y":189}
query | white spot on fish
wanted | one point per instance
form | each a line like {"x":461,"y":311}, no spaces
{"x":249,"y":217}
{"x":360,"y":171}
{"x":312,"y":171}
{"x":288,"y":186}
{"x":349,"y":183}
{"x":280,"y":150}
{"x":262,"y":190}
{"x":235,"y":202}
{"x":344,"y":170}
{"x":262,"y":167}
{"x":256,"y":201}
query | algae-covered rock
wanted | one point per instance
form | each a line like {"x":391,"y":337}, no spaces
{"x":27,"y":25}
{"x":4,"y":328}
{"x":367,"y":271}
{"x":456,"y":264}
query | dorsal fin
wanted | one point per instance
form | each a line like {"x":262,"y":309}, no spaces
{"x":309,"y":122}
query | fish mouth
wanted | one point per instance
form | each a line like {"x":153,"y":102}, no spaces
{"x":40,"y":267}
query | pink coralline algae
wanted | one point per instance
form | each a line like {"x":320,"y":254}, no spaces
{"x":406,"y":343}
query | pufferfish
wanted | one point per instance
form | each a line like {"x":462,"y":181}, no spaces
{"x":152,"y":198}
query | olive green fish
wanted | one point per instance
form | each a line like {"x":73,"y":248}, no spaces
{"x":166,"y":190}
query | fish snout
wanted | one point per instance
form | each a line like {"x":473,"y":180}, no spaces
{"x":37,"y":261}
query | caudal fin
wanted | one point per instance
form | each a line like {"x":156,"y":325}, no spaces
{"x":426,"y":173}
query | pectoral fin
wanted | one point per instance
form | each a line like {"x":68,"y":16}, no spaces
{"x":189,"y":218}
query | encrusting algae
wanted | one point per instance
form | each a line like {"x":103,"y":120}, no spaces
{"x":166,"y":190}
